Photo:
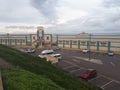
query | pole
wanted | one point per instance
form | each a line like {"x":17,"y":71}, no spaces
{"x":89,"y":45}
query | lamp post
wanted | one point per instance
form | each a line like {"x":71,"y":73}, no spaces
{"x":89,"y":45}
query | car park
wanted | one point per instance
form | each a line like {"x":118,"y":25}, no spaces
{"x":85,"y":50}
{"x":74,"y":64}
{"x":88,"y":73}
{"x":110,"y":53}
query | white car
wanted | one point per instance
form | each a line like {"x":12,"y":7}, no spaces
{"x":85,"y":50}
{"x":59,"y":56}
{"x":45,"y":52}
{"x":41,"y":56}
{"x":30,"y":50}
{"x":110,"y":53}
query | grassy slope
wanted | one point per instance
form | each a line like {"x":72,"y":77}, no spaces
{"x":41,"y":67}
{"x":19,"y":79}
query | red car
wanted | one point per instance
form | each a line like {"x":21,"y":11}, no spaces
{"x":88,"y":73}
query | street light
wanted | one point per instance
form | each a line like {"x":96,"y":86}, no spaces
{"x":89,"y":45}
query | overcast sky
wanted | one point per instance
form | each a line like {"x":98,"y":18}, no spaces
{"x":60,"y":16}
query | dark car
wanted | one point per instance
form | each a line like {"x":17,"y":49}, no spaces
{"x":56,"y":48}
{"x":88,"y":74}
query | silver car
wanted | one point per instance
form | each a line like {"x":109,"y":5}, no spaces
{"x":59,"y":56}
{"x":110,"y":53}
{"x":85,"y":50}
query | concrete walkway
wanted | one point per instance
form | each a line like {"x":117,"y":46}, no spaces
{"x":97,"y":61}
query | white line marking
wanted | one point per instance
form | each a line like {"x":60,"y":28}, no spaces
{"x":106,"y":84}
{"x":74,"y":64}
{"x":112,"y":63}
{"x":71,"y":63}
{"x":75,"y":70}
{"x":75,"y":60}
{"x":99,"y":73}
{"x":110,"y":78}
{"x":95,"y":78}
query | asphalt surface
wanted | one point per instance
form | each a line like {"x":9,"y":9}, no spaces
{"x":108,"y":77}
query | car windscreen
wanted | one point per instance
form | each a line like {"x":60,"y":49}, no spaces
{"x":86,"y":72}
{"x":58,"y":56}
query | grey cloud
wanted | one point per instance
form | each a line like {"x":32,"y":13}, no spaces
{"x":20,"y":27}
{"x":94,"y":24}
{"x":18,"y":11}
{"x":114,"y":15}
{"x":111,"y":3}
{"x":47,"y":8}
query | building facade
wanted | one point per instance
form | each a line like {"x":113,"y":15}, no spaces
{"x":79,"y":41}
{"x":90,"y":41}
{"x":35,"y":40}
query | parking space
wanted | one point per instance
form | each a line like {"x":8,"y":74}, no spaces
{"x":63,"y":65}
{"x":112,"y":86}
{"x":100,"y":80}
{"x":68,"y":67}
{"x":72,"y":69}
{"x":77,"y":72}
{"x":105,"y":83}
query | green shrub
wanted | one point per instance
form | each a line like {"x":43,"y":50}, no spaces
{"x":41,"y":67}
{"x":19,"y":79}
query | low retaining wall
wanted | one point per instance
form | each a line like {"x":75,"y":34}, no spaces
{"x":1,"y":84}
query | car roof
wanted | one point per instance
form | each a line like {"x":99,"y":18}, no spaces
{"x":85,"y":49}
{"x":58,"y":54}
{"x":55,"y":54}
